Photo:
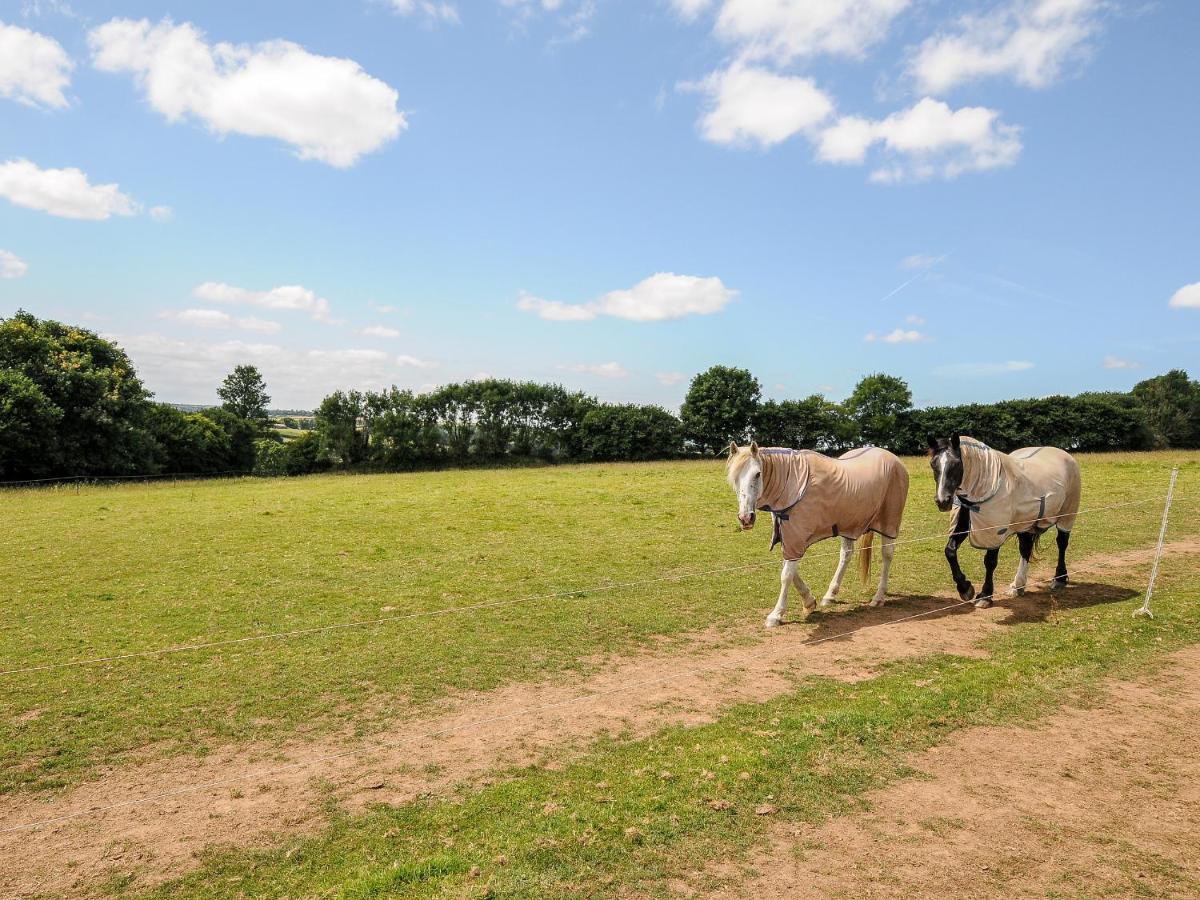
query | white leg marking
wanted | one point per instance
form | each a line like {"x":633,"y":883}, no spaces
{"x":843,"y":561}
{"x":888,"y":551}
{"x":1018,"y":585}
{"x":786,"y":574}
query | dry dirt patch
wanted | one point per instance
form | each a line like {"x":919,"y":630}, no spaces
{"x":1097,"y":802}
{"x":519,"y":724}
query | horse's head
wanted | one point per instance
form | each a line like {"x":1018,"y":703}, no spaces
{"x":945,"y":458}
{"x":744,"y":473}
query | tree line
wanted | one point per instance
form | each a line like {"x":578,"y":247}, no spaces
{"x":72,"y":404}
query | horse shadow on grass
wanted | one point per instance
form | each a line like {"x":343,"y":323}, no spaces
{"x":841,"y":621}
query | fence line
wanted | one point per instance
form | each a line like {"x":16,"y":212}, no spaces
{"x":1144,"y":610}
{"x":495,"y":604}
{"x":478,"y":723}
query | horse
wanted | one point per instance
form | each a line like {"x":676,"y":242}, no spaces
{"x":812,"y":497}
{"x":997,"y":495}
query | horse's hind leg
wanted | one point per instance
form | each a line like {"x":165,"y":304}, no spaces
{"x":888,"y":551}
{"x":1026,"y":541}
{"x":990,"y":558}
{"x":836,"y":584}
{"x":1060,"y":573}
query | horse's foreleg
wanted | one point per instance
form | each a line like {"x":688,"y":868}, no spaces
{"x":965,"y":589}
{"x":786,"y":574}
{"x":888,"y":551}
{"x":1060,"y":573}
{"x":836,"y":584}
{"x":990,"y":558}
{"x":1026,"y":541}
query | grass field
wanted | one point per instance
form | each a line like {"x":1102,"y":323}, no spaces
{"x":101,"y":571}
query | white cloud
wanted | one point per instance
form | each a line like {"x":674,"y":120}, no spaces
{"x":289,"y":297}
{"x":604,"y":370}
{"x":787,"y":30}
{"x":62,"y":192}
{"x":162,"y":213}
{"x":415,"y":362}
{"x":690,"y":10}
{"x":574,"y":17}
{"x":1029,"y":41}
{"x":748,"y":105}
{"x":984,"y":368}
{"x":380,"y":331}
{"x":1187,"y":296}
{"x":215,"y":318}
{"x":921,"y":261}
{"x":428,"y":9}
{"x":897,"y":336}
{"x":327,"y":108}
{"x":670,"y":378}
{"x":927,"y":140}
{"x":914,"y":319}
{"x":662,"y":296}
{"x":1115,"y":362}
{"x":11,"y":265}
{"x":34,"y":69}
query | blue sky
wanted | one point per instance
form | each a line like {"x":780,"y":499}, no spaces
{"x":988,"y":199}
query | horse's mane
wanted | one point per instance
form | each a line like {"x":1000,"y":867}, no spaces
{"x":736,"y":463}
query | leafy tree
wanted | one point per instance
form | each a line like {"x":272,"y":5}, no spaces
{"x":82,"y":386}
{"x":1172,"y":404}
{"x":244,"y":393}
{"x":627,"y":431}
{"x":190,"y":443}
{"x":814,"y":423}
{"x":343,"y":442}
{"x":720,"y":406}
{"x":241,"y":435}
{"x":876,"y":405}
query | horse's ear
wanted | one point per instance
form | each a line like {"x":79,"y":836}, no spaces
{"x":955,"y":443}
{"x":733,"y":448}
{"x":934,"y":444}
{"x":754,"y":448}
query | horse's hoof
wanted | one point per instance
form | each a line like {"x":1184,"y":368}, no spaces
{"x":875,"y":603}
{"x":774,"y":621}
{"x":983,"y":603}
{"x":828,"y":601}
{"x":1058,"y":584}
{"x":1015,"y":591}
{"x":969,"y":594}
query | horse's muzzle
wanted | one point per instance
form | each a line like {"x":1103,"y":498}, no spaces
{"x":747,"y":521}
{"x":944,"y":505}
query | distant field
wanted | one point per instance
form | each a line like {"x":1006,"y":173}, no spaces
{"x":100,"y":571}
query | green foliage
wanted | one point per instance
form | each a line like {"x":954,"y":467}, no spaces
{"x":241,"y":435}
{"x":79,"y":385}
{"x":630,"y":432}
{"x":720,"y":407}
{"x":1172,"y":405}
{"x":191,"y":443}
{"x":814,"y":423}
{"x":875,"y":405}
{"x":340,"y":419}
{"x":244,"y":393}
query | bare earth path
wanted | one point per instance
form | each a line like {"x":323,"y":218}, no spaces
{"x":161,"y":839}
{"x":1095,"y":802}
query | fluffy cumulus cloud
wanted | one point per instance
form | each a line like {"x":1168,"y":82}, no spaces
{"x":34,"y":69}
{"x":189,"y":369}
{"x":325,"y":107}
{"x":603,"y":370}
{"x":750,"y":105}
{"x":1187,"y":296}
{"x":62,"y":192}
{"x":927,"y":140}
{"x":654,"y":299}
{"x":785,"y":30}
{"x":897,"y":336}
{"x":11,"y":265}
{"x":1030,"y":41}
{"x":1116,"y":362}
{"x":427,"y":9}
{"x":293,"y":297}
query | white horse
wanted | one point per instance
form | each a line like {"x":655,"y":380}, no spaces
{"x":812,"y":497}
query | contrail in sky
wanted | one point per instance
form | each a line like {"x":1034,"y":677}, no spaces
{"x":925,"y":271}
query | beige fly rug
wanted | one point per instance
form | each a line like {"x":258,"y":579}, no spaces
{"x":813,"y":497}
{"x":1030,"y":489}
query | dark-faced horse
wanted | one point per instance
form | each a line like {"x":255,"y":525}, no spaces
{"x":995,"y":495}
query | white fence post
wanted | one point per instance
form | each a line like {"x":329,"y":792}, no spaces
{"x":1144,"y":609}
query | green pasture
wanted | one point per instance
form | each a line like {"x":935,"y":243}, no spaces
{"x":101,"y":571}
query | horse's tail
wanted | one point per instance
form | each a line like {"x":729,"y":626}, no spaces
{"x":864,"y":555}
{"x":1035,"y":555}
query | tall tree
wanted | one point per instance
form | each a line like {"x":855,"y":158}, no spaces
{"x":876,"y":405}
{"x":244,"y":393}
{"x":1172,"y":404}
{"x":720,"y":407}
